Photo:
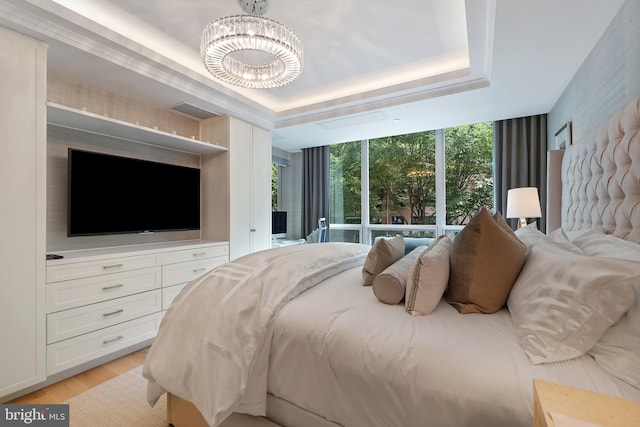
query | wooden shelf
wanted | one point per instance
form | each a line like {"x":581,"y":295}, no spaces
{"x":72,"y":118}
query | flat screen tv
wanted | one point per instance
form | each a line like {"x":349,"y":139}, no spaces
{"x":110,"y":194}
{"x":278,"y":223}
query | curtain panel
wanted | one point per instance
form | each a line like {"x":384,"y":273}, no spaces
{"x":315,"y":187}
{"x":520,"y":160}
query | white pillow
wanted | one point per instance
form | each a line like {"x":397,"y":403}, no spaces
{"x":597,"y":243}
{"x":564,"y":301}
{"x":529,"y":234}
{"x":618,"y":351}
{"x":428,"y":278}
{"x":572,"y":235}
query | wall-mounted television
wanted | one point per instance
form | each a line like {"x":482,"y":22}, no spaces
{"x":278,"y":223}
{"x":109,"y":194}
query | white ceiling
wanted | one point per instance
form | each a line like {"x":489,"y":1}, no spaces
{"x":372,"y":67}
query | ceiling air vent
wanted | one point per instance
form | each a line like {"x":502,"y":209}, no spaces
{"x":192,"y":110}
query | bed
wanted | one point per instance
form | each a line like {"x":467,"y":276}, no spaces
{"x":292,"y":334}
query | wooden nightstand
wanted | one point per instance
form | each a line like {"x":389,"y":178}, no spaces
{"x":583,"y":405}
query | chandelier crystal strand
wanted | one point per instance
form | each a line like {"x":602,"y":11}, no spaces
{"x":224,"y":37}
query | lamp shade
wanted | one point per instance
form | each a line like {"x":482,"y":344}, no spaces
{"x":523,"y":202}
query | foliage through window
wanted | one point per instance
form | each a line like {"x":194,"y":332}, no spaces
{"x":402,"y":181}
{"x":345,"y":183}
{"x":469,"y":170}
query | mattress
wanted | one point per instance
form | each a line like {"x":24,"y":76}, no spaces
{"x":340,"y":354}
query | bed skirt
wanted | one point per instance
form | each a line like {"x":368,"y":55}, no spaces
{"x":181,"y":413}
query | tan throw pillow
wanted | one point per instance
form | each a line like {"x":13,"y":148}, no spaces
{"x":486,"y":259}
{"x":428,"y":278}
{"x":389,"y":285}
{"x":383,"y":253}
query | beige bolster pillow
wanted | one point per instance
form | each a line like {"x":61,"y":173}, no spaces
{"x":389,"y":286}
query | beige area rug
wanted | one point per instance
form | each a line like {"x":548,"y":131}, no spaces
{"x":119,"y":402}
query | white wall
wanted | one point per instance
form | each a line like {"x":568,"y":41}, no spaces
{"x":606,"y":81}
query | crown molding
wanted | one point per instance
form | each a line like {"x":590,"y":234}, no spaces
{"x":53,"y":24}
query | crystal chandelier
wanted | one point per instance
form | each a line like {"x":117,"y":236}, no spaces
{"x":251,"y":51}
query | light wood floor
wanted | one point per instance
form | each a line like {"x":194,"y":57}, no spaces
{"x":66,"y":389}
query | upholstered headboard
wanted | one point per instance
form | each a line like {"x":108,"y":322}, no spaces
{"x":601,"y":177}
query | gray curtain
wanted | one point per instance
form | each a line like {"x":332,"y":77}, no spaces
{"x":315,"y":187}
{"x":520,"y":160}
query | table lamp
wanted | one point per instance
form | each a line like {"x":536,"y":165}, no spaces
{"x":523,"y":203}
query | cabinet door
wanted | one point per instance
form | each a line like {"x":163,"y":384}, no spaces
{"x":22,"y":216}
{"x":249,"y":188}
{"x":261,"y":190}
{"x":240,"y":173}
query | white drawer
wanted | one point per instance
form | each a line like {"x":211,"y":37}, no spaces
{"x":195,"y":254}
{"x":89,"y":318}
{"x":76,"y":270}
{"x":84,"y":348}
{"x":77,"y":292}
{"x":168,"y":294}
{"x":174,"y":274}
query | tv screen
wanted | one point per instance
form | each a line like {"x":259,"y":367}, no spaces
{"x":110,"y":194}
{"x":278,"y":222}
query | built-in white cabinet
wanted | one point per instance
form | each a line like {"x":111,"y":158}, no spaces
{"x":102,"y":300}
{"x":182,"y":266}
{"x":261,"y":189}
{"x":237,"y":205}
{"x":105,"y":300}
{"x":22,"y":215}
{"x":249,"y":188}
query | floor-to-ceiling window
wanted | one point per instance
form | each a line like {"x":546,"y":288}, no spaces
{"x":346,"y":192}
{"x":418,"y":185}
{"x":275,"y":186}
{"x":278,"y":165}
{"x":402,"y":185}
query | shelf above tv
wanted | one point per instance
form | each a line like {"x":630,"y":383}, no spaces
{"x":72,"y":118}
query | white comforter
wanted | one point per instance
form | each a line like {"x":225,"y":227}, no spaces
{"x":213,"y":344}
{"x":339,"y":353}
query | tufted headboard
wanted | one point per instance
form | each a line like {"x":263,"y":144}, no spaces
{"x":601,"y":177}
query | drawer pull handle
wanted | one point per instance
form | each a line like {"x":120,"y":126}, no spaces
{"x":120,"y":310}
{"x":106,"y":288}
{"x":106,"y":267}
{"x":199,"y":254}
{"x":197,"y":270}
{"x":109,"y":341}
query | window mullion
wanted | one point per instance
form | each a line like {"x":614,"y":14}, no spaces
{"x":441,"y":195}
{"x":365,"y":233}
{"x":280,"y":189}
